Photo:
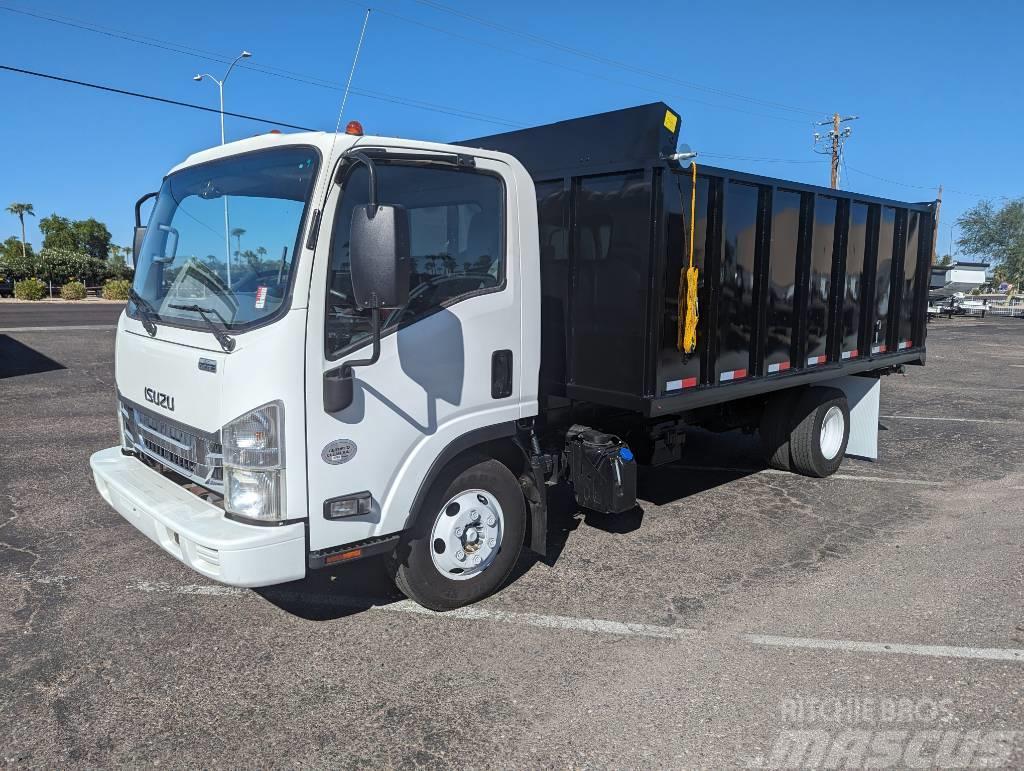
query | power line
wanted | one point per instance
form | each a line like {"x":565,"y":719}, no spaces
{"x":579,"y":52}
{"x":150,"y":97}
{"x":661,"y":93}
{"x":263,"y":69}
{"x":928,"y":187}
{"x":213,"y":56}
{"x":703,"y":154}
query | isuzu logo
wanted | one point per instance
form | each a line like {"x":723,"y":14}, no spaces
{"x":160,"y":400}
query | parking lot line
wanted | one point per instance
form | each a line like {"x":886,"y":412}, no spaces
{"x":571,"y":623}
{"x":777,"y":472}
{"x":944,"y":651}
{"x":943,"y":418}
{"x":567,"y":623}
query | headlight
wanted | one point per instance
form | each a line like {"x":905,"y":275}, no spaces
{"x":254,"y":478}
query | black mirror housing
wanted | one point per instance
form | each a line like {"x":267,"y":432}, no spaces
{"x":140,"y":235}
{"x":379,"y":253}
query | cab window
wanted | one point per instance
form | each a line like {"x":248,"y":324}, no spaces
{"x":456,"y":244}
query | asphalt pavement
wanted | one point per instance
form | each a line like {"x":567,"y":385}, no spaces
{"x":744,"y":617}
{"x":21,"y":315}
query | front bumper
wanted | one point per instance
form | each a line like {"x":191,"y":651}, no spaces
{"x":196,"y":532}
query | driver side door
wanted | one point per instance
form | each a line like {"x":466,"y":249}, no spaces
{"x":433,"y":381}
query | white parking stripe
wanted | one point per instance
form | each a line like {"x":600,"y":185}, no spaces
{"x":850,"y":477}
{"x":591,"y":625}
{"x":944,"y":651}
{"x":568,"y":623}
{"x":942,"y":418}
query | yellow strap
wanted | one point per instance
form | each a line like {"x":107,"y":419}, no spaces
{"x":686,"y":336}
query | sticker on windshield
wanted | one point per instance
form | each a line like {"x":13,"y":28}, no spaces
{"x":261,"y":297}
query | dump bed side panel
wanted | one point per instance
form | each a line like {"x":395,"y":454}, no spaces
{"x":797,"y":283}
{"x":794,"y":279}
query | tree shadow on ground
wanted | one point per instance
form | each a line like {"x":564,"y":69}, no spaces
{"x":17,"y":359}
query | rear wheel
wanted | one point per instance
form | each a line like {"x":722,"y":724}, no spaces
{"x":818,"y":442}
{"x":466,"y":538}
{"x":776,"y":425}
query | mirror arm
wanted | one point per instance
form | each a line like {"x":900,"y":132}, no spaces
{"x":367,"y":161}
{"x":138,"y":207}
{"x":339,"y":383}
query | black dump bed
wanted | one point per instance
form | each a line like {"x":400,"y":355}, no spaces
{"x":797,"y":283}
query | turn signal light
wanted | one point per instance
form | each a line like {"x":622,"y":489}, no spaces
{"x":351,"y":554}
{"x":355,"y":128}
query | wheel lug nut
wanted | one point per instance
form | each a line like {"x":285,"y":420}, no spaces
{"x":476,"y":560}
{"x":491,"y":541}
{"x":492,"y":521}
{"x":458,"y":532}
{"x":476,"y":516}
{"x":460,"y":555}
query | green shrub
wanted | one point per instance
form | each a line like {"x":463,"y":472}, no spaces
{"x":30,"y":289}
{"x":73,"y":290}
{"x":116,"y":289}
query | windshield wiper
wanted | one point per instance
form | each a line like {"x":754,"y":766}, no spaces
{"x":146,"y":310}
{"x":227,"y":342}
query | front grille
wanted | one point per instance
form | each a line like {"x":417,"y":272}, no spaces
{"x":192,"y":453}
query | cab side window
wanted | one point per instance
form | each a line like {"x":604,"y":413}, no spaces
{"x":456,"y":239}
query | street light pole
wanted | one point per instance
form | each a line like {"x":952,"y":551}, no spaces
{"x":220,"y":88}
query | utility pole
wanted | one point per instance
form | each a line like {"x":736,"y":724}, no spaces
{"x":833,"y":142}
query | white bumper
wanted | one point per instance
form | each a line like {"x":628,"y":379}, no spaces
{"x":196,"y":532}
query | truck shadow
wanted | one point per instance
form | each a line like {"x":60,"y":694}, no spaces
{"x":344,"y":590}
{"x":335,"y":592}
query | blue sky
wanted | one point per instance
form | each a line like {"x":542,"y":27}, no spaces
{"x":937,"y":85}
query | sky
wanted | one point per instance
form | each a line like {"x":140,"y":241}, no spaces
{"x":936,"y":86}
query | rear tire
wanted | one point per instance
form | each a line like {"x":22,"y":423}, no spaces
{"x":447,"y":559}
{"x":777,"y":423}
{"x":818,"y":442}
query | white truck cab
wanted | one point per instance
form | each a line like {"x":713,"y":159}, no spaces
{"x":229,"y":460}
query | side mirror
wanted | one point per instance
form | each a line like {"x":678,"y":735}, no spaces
{"x":140,"y":229}
{"x":140,"y":236}
{"x":379,"y":249}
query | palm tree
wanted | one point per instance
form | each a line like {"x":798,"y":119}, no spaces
{"x":238,"y":233}
{"x":19,"y":210}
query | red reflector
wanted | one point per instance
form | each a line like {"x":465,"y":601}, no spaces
{"x":689,"y":382}
{"x":275,"y":131}
{"x":355,"y":128}
{"x":351,"y":554}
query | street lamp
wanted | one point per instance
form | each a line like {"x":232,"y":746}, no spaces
{"x":220,"y":87}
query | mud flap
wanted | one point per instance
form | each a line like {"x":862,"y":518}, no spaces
{"x":862,"y":393}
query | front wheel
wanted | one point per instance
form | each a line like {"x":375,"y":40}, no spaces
{"x":466,"y":537}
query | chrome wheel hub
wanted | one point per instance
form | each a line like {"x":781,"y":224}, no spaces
{"x":466,"y":536}
{"x":832,"y":429}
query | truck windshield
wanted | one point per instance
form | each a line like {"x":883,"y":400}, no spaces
{"x":223,"y":236}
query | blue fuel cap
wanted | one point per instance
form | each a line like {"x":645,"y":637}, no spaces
{"x":626,"y":454}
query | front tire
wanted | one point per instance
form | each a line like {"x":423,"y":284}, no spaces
{"x":466,"y":538}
